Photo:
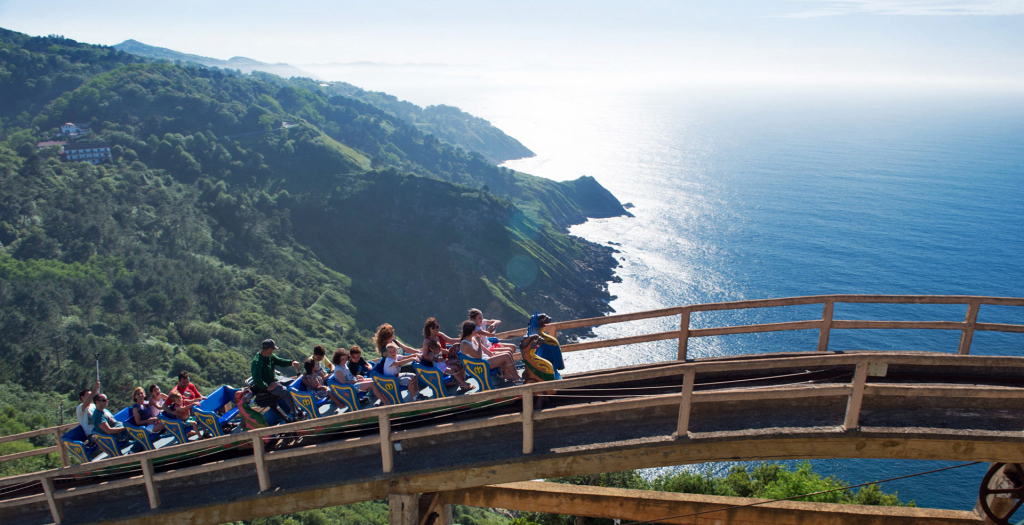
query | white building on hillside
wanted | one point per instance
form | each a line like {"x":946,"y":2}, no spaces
{"x":92,"y":152}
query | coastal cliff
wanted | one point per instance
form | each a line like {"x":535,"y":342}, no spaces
{"x":237,"y":207}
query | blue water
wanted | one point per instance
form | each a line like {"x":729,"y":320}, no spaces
{"x":748,"y":195}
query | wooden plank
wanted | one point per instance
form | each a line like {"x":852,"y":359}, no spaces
{"x":321,"y":448}
{"x":606,"y":406}
{"x":756,"y":328}
{"x":40,"y":432}
{"x":683,"y":426}
{"x":999,"y":327}
{"x":772,"y":303}
{"x":65,"y":461}
{"x":25,"y":500}
{"x":898,"y":325}
{"x":386,"y":452}
{"x":56,"y":509}
{"x":652,"y":506}
{"x":147,"y":476}
{"x":99,"y":487}
{"x":462,"y":426}
{"x":756,"y":394}
{"x":971,"y":320}
{"x":606,"y":343}
{"x":597,"y":321}
{"x":204,"y":469}
{"x":826,"y":325}
{"x":950,"y":391}
{"x":684,"y":334}
{"x":261,"y":463}
{"x":853,"y":404}
{"x":527,"y":416}
{"x":29,"y":453}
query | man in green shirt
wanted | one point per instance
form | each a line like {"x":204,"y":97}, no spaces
{"x":263,"y":377}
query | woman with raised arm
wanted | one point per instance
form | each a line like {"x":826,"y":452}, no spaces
{"x":485,"y":329}
{"x":469,"y":345}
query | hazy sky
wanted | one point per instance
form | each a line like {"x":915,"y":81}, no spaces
{"x":953,"y":43}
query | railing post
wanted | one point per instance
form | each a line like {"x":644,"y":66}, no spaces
{"x":972,"y":320}
{"x":147,"y":476}
{"x":684,"y":403}
{"x":826,"y":325}
{"x":860,"y":376}
{"x":261,"y":463}
{"x":65,"y":461}
{"x":386,"y":452}
{"x":56,"y":510}
{"x":527,"y":423}
{"x":684,"y":333}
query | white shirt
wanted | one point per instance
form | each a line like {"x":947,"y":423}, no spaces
{"x":84,"y":416}
{"x":391,"y":368}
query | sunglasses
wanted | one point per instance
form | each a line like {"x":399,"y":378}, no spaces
{"x":101,"y":400}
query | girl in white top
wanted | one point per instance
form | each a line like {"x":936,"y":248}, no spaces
{"x":485,"y":329}
{"x":470,"y":347}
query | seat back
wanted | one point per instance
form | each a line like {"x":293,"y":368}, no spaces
{"x":141,"y":436}
{"x":107,"y":444}
{"x":433,"y":378}
{"x":346,"y":393}
{"x":77,"y":444}
{"x":217,"y":399}
{"x":389,"y":386}
{"x":208,"y":421}
{"x":305,"y":400}
{"x":478,"y":369}
{"x":176,"y":427}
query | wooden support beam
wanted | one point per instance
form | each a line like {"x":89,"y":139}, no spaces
{"x":404,"y":509}
{"x":387,"y":453}
{"x":56,"y":507}
{"x":826,"y":325}
{"x":684,"y":334}
{"x":261,"y":463}
{"x":972,"y":321}
{"x":685,"y":403}
{"x":815,"y":445}
{"x":642,"y":505}
{"x":147,"y":475}
{"x":528,"y":424}
{"x":65,"y":461}
{"x":853,"y":403}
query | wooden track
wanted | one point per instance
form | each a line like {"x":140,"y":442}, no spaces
{"x":910,"y":405}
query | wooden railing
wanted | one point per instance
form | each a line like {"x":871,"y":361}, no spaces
{"x":685,"y":399}
{"x":825,"y":325}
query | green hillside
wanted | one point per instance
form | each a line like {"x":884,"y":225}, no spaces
{"x":239,"y":207}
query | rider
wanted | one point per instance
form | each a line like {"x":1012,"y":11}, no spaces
{"x":263,"y":377}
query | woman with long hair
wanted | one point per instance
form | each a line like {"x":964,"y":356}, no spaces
{"x":432,"y":334}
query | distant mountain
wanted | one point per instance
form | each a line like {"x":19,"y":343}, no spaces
{"x":448,"y":123}
{"x":245,"y":65}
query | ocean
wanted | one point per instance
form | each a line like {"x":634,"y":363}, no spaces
{"x":750,"y":194}
{"x":747,"y":196}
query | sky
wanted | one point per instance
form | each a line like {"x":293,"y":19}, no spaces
{"x":937,"y":44}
